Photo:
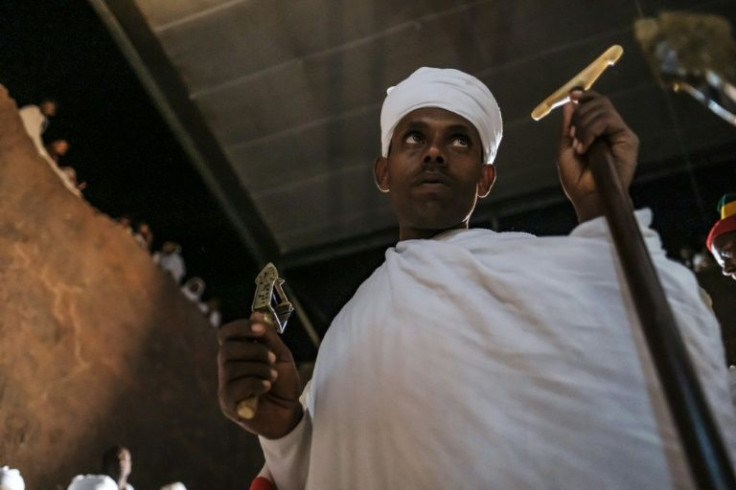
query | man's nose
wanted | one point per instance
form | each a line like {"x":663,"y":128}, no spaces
{"x":729,"y":267}
{"x":434,"y":155}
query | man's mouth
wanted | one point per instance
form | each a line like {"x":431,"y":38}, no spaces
{"x":433,"y":179}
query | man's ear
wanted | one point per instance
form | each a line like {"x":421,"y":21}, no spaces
{"x":380,"y":174}
{"x":487,"y":179}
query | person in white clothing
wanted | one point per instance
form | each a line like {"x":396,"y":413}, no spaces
{"x":11,"y":479}
{"x":36,"y":119}
{"x":117,"y":463}
{"x":193,"y":290}
{"x":170,"y":260}
{"x":476,"y":359}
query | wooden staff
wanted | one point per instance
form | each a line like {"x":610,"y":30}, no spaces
{"x":706,"y":453}
{"x":709,"y":462}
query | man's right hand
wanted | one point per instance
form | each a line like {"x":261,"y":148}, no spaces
{"x":253,"y":361}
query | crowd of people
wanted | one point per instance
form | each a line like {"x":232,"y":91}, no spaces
{"x":169,"y":258}
{"x":115,"y":471}
{"x":36,"y":119}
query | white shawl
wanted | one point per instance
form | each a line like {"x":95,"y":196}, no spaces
{"x":499,"y":360}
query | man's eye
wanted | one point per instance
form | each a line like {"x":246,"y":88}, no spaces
{"x":413,"y":138}
{"x":461,"y":141}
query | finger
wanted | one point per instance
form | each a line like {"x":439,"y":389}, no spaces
{"x":242,"y":370}
{"x":581,"y":97}
{"x":566,"y":136}
{"x":242,"y":388}
{"x":238,"y":330}
{"x":237,"y":350}
{"x":590,"y":126}
{"x":589,"y":101}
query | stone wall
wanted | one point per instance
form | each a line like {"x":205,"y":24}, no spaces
{"x":97,"y":345}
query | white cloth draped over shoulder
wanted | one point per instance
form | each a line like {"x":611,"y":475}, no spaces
{"x":499,"y":360}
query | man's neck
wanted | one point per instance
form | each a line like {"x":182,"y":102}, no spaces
{"x":410,"y":233}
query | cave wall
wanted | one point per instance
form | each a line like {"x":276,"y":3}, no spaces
{"x":98,"y":346}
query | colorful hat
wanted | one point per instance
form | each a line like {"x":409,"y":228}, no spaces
{"x":727,"y":223}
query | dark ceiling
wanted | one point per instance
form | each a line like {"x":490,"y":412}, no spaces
{"x":278,"y":101}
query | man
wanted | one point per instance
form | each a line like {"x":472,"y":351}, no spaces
{"x":170,"y":260}
{"x":475,"y":359}
{"x":56,"y":149}
{"x":722,"y":237}
{"x":117,"y":463}
{"x":36,"y":119}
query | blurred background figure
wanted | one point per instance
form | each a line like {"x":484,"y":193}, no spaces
{"x":71,"y":176}
{"x":36,"y":119}
{"x":92,"y":482}
{"x":694,"y":54}
{"x":57,"y":148}
{"x":55,"y":151}
{"x":193,"y":290}
{"x":10,"y":479}
{"x":144,"y":236}
{"x":212,"y":311}
{"x":170,"y":260}
{"x":722,"y":237}
{"x":126,"y":221}
{"x":117,"y":463}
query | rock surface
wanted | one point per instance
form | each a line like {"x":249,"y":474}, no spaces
{"x":98,"y":346}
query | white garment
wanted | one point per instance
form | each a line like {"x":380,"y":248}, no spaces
{"x":214,"y":317}
{"x":35,"y":123}
{"x":173,"y":263}
{"x":499,"y":360}
{"x":93,"y":482}
{"x":10,"y":479}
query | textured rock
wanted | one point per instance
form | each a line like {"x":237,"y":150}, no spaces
{"x":97,"y":345}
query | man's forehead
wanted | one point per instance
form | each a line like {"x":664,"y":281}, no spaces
{"x":726,"y":241}
{"x":425,"y":115}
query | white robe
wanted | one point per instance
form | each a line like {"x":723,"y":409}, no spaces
{"x":173,"y":263}
{"x":499,"y":360}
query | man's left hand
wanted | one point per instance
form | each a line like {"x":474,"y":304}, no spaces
{"x":589,"y":117}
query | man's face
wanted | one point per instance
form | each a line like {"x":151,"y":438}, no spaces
{"x":434,"y":172}
{"x":59,"y":148}
{"x":126,"y":463}
{"x":724,"y":251}
{"x":48,"y":108}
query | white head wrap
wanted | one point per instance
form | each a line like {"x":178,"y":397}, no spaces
{"x":10,"y":479}
{"x":92,"y":482}
{"x":448,"y":89}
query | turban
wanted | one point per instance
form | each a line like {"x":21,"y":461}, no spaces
{"x":10,"y":479}
{"x":727,"y":223}
{"x":92,"y":482}
{"x":447,"y":89}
